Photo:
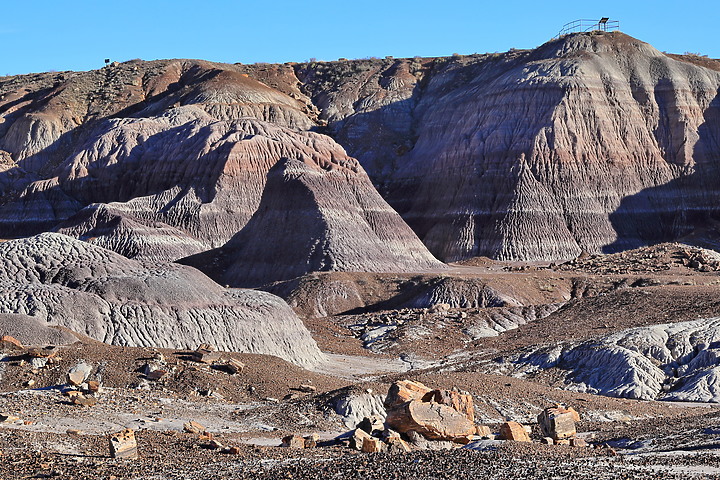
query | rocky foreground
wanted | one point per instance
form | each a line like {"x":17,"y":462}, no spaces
{"x":200,"y":413}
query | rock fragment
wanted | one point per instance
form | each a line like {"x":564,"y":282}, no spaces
{"x":398,"y":445}
{"x":358,"y":438}
{"x":234,"y":366}
{"x":558,"y":423}
{"x":124,"y":445}
{"x":293,"y":441}
{"x":193,"y":427}
{"x":7,"y":418}
{"x":461,"y":402}
{"x":311,"y":440}
{"x":206,"y":353}
{"x":154,"y":371}
{"x":84,"y":401}
{"x":513,"y":431}
{"x":578,"y":442}
{"x":373,"y":445}
{"x":79,"y":373}
{"x":49,"y":352}
{"x":433,"y":420}
{"x":373,"y":425}
{"x":404,"y":391}
{"x":10,"y":344}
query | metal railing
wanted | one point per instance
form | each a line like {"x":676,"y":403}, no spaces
{"x":585,"y":25}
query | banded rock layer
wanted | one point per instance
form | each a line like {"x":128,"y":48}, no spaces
{"x":66,"y":282}
{"x":594,"y":141}
{"x":310,"y":219}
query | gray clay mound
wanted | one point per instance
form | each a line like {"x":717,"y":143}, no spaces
{"x":101,"y":294}
{"x":31,"y":331}
{"x":661,"y":362}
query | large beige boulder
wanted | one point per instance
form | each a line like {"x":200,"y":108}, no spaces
{"x":463,"y":403}
{"x":513,"y":431}
{"x":403,"y":391}
{"x":433,"y":420}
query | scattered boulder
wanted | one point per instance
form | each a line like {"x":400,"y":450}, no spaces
{"x":293,"y":441}
{"x":373,"y":425}
{"x":124,"y":445}
{"x":7,"y":418}
{"x":38,"y":362}
{"x":433,"y":420}
{"x":10,"y":344}
{"x":397,"y":445}
{"x":558,"y":422}
{"x":483,"y":431}
{"x":404,"y":391}
{"x":373,"y":445}
{"x":84,"y":401}
{"x":514,"y":431}
{"x":79,"y":373}
{"x":154,"y":371}
{"x":234,"y":366}
{"x":206,"y":353}
{"x":307,"y":388}
{"x":193,"y":427}
{"x":311,"y":440}
{"x":358,"y":438}
{"x":463,"y":403}
{"x":48,"y":352}
{"x":422,"y":443}
{"x":578,"y":442}
{"x":438,"y":415}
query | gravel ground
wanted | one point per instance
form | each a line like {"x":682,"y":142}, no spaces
{"x":173,"y":455}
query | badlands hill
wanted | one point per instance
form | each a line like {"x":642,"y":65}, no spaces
{"x":595,"y":142}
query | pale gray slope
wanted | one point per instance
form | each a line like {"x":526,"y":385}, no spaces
{"x":679,"y":361}
{"x":63,"y":281}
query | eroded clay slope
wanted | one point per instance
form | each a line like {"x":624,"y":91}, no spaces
{"x":593,"y":142}
{"x":101,"y":294}
{"x":113,"y":227}
{"x":187,"y":169}
{"x":670,"y":362}
{"x":160,"y":133}
{"x":316,"y":217}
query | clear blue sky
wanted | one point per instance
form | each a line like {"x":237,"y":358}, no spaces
{"x":42,"y":35}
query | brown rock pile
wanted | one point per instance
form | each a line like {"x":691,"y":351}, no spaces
{"x":701,"y":260}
